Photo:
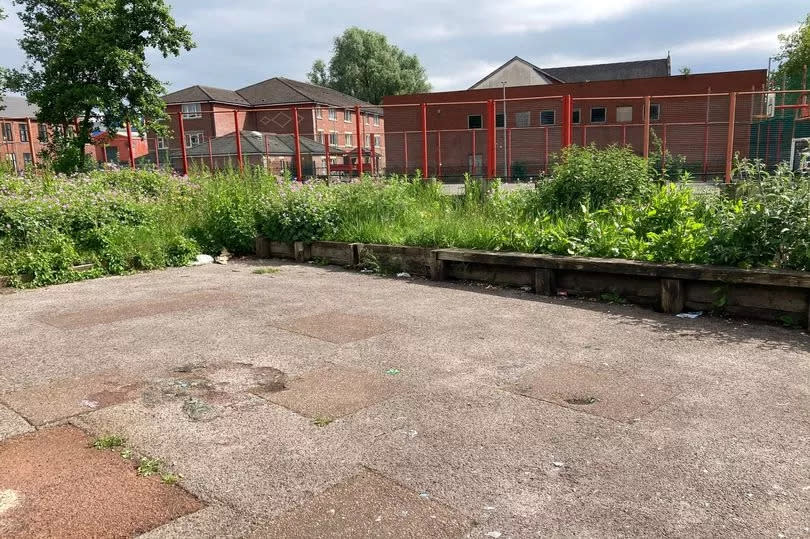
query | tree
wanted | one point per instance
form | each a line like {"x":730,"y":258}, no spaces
{"x":794,"y":54}
{"x":365,"y":65}
{"x":86,"y":60}
{"x":685,"y":70}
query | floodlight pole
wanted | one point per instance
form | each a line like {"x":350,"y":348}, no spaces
{"x":505,"y":153}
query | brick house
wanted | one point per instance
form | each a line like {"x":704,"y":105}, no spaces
{"x":693,"y":123}
{"x":23,"y":137}
{"x":265,"y":108}
{"x":114,"y":148}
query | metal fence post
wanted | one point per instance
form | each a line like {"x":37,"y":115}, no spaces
{"x":491,"y":152}
{"x":297,"y":142}
{"x":373,"y":150}
{"x":424,"y":142}
{"x":358,"y":122}
{"x":646,"y":135}
{"x":31,"y":142}
{"x":183,"y":155}
{"x":238,"y":135}
{"x":732,"y":110}
{"x":567,"y":121}
{"x":210,"y":154}
{"x":326,"y":152}
{"x":439,"y":154}
{"x":129,"y":147}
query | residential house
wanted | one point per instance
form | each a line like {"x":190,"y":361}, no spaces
{"x":23,"y":137}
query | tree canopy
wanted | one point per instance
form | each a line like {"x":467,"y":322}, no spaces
{"x":86,"y":59}
{"x":794,"y":54}
{"x":365,"y":65}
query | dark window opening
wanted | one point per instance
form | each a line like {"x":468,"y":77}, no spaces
{"x":499,"y":120}
{"x":474,"y":122}
{"x":575,"y":116}
{"x":655,"y":112}
{"x":598,"y":115}
{"x":547,"y":117}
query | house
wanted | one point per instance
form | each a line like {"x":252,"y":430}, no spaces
{"x":688,"y":114}
{"x":519,"y":72}
{"x":23,"y":137}
{"x":114,"y":147}
{"x":324,"y":116}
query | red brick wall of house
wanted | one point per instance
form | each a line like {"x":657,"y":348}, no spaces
{"x":15,"y":146}
{"x":121,"y":145}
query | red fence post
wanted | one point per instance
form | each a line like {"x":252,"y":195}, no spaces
{"x":405,"y":139}
{"x":129,"y":147}
{"x":424,"y":142}
{"x":439,"y":154}
{"x":373,"y":153}
{"x":328,"y":161}
{"x":545,"y":133}
{"x":210,"y":155}
{"x":157,"y":150}
{"x":472,"y":165}
{"x":359,"y":123}
{"x":31,"y":142}
{"x":567,"y":121}
{"x":706,"y":135}
{"x":664,"y":147}
{"x":732,"y":111}
{"x":183,"y":156}
{"x":508,"y":150}
{"x":238,"y":135}
{"x":491,"y":152}
{"x":645,"y":144}
{"x":297,"y":142}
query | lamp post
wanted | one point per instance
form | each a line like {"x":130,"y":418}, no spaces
{"x":505,"y":155}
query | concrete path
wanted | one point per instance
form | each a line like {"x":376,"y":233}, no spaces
{"x":316,"y":402}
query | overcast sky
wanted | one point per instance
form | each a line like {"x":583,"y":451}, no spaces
{"x":459,"y":41}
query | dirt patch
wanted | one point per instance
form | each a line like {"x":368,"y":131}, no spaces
{"x":237,"y":376}
{"x":62,"y":487}
{"x":338,"y":328}
{"x":137,"y":309}
{"x":368,"y":505}
{"x":620,"y":396}
{"x":332,"y":392}
{"x":67,"y":397}
{"x":198,"y":410}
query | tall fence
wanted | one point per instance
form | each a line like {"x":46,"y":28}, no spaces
{"x":514,"y":139}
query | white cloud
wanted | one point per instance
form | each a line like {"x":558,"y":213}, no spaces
{"x":762,"y":41}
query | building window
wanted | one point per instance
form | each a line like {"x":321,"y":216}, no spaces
{"x":318,"y":111}
{"x":347,"y":115}
{"x":655,"y":112}
{"x":194,"y":138}
{"x":576,"y":116}
{"x":598,"y":115}
{"x":191,"y":111}
{"x":367,"y":142}
{"x":8,"y":135}
{"x":523,"y":119}
{"x":624,"y":114}
{"x":161,"y":143}
{"x":348,"y":139}
{"x":23,"y":132}
{"x":377,"y":119}
{"x":320,"y":136}
{"x":547,"y":117}
{"x":499,"y":120}
{"x":474,"y":121}
{"x":377,"y":141}
{"x":27,"y":161}
{"x":333,"y":138}
{"x":367,"y":119}
{"x":12,"y":158}
{"x":333,"y":114}
{"x":43,"y":132}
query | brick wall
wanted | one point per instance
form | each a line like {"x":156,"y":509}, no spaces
{"x":17,"y":150}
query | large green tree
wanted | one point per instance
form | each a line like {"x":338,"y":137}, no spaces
{"x":793,"y":55}
{"x":365,"y":65}
{"x":86,"y":60}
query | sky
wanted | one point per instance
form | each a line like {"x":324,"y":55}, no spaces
{"x":240,"y":42}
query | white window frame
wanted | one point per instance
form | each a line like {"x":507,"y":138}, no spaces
{"x":348,"y":139}
{"x":200,"y":135}
{"x":377,"y":120}
{"x":377,"y":140}
{"x":655,"y":107}
{"x":318,"y":112}
{"x":191,"y":110}
{"x":553,"y":117}
{"x":622,"y":109}
{"x":598,"y":108}
{"x":347,"y":115}
{"x":161,"y":143}
{"x":23,"y":132}
{"x":333,"y":114}
{"x":367,"y":140}
{"x":334,"y":135}
{"x":320,"y":136}
{"x":366,"y":118}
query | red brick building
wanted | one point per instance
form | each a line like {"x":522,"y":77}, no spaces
{"x":324,"y":115}
{"x":22,"y":137}
{"x":686,"y":117}
{"x":114,"y":148}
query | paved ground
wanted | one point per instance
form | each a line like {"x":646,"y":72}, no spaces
{"x":318,"y":402}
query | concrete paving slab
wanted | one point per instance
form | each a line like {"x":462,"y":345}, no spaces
{"x":621,"y":396}
{"x":64,"y":398}
{"x":337,"y":327}
{"x":12,"y":424}
{"x":368,"y":505}
{"x":56,"y":485}
{"x":333,"y":392}
{"x":211,"y":522}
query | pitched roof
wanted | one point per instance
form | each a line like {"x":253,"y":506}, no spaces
{"x":282,"y":91}
{"x":253,"y":143}
{"x":200,"y":94}
{"x":17,"y":108}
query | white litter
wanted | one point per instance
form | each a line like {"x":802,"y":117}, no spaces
{"x":404,"y":275}
{"x":424,"y":495}
{"x":494,"y":534}
{"x":366,"y":270}
{"x":201,"y":260}
{"x":526,"y":288}
{"x":558,"y":464}
{"x":690,"y":316}
{"x":223,"y":257}
{"x":89,"y":404}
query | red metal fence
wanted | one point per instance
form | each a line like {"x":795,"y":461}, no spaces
{"x":515,"y":139}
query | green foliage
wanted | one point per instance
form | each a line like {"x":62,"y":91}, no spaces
{"x":365,"y":65}
{"x":108,"y":442}
{"x":86,"y":59}
{"x":148,"y":467}
{"x":793,"y":55}
{"x":300,"y":213}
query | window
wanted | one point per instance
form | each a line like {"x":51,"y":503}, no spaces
{"x":318,"y":112}
{"x":624,"y":114}
{"x":576,"y":116}
{"x":23,"y":132}
{"x":598,"y":115}
{"x":523,"y":119}
{"x":655,"y":112}
{"x":194,"y":138}
{"x":161,"y":143}
{"x":333,"y":114}
{"x":12,"y":158}
{"x":347,"y":138}
{"x":366,"y":118}
{"x":474,"y":121}
{"x":43,"y":132}
{"x":320,"y":136}
{"x":377,"y":119}
{"x":191,"y":111}
{"x":8,"y":136}
{"x":377,"y":141}
{"x":347,"y":115}
{"x":547,"y":117}
{"x":333,"y":138}
{"x":499,"y":120}
{"x":367,"y":143}
{"x":27,"y":161}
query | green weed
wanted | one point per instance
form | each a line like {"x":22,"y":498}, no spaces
{"x":108,"y":442}
{"x":266,"y":271}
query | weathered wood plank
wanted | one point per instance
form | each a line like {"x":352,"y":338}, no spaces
{"x":545,"y":282}
{"x":673,"y":295}
{"x":438,"y":271}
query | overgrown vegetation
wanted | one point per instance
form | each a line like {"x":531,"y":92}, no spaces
{"x":604,"y":203}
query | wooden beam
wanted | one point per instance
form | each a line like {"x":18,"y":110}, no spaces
{"x":673,"y":295}
{"x":545,"y":282}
